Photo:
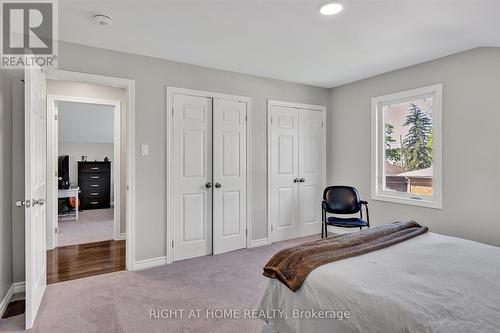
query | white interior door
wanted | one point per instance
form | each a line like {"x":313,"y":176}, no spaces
{"x":229,"y":175}
{"x":191,"y":176}
{"x":285,"y":172}
{"x":310,"y":171}
{"x":35,"y":190}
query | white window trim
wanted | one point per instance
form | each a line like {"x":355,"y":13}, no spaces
{"x":377,"y":160}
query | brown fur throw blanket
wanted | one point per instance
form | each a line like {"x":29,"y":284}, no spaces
{"x":292,"y":266}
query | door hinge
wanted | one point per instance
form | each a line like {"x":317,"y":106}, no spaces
{"x":272,"y":227}
{"x":55,"y":174}
{"x":322,"y":124}
{"x":55,"y":117}
{"x":271,"y":120}
{"x":246,"y":232}
{"x":172,"y":243}
{"x":56,"y":230}
{"x":128,"y":187}
{"x":246,"y":118}
{"x":172,"y":112}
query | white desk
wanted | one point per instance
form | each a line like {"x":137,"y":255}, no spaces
{"x":72,"y":192}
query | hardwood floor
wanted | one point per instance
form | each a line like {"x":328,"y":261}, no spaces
{"x":14,"y":308}
{"x":83,"y":260}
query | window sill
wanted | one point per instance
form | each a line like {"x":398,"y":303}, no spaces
{"x":409,"y":201}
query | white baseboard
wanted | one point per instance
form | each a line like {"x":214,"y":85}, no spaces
{"x":123,"y":236}
{"x":259,"y":242}
{"x":6,"y":300}
{"x":149,"y":263}
{"x":19,"y":287}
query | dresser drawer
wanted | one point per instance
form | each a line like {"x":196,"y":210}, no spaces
{"x":102,"y":193}
{"x":93,"y":178}
{"x":94,"y":167}
{"x":91,"y":203}
{"x":91,"y":187}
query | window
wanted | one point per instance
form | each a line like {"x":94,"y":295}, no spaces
{"x":406,"y":147}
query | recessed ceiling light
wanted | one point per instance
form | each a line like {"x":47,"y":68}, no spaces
{"x":331,"y":8}
{"x":102,"y":19}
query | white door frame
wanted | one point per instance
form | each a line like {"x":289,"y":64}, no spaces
{"x":168,"y":194}
{"x":312,"y":107}
{"x":128,"y":110}
{"x":52,"y":168}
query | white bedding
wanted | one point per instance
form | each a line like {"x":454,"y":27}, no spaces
{"x":431,"y":283}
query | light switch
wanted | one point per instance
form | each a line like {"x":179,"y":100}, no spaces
{"x":144,"y":150}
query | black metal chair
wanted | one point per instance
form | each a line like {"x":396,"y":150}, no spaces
{"x":343,"y":200}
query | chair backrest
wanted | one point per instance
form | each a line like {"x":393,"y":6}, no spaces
{"x":342,"y":200}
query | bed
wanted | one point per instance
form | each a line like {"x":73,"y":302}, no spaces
{"x":430,"y":283}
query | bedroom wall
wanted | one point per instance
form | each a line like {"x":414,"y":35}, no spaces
{"x":5,"y":183}
{"x":471,"y":137}
{"x":18,"y":215}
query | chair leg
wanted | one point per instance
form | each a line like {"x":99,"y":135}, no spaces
{"x":323,"y":222}
{"x":326,"y":231}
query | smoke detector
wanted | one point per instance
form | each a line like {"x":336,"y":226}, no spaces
{"x":102,"y":19}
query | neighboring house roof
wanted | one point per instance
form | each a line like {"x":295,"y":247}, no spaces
{"x":422,"y":173}
{"x":391,"y":169}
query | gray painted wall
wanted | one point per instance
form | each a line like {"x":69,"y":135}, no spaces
{"x":152,"y":76}
{"x":5,"y":182}
{"x":85,"y":122}
{"x":18,"y":234}
{"x":471,"y":142}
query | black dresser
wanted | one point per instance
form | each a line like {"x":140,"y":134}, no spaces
{"x":94,"y":180}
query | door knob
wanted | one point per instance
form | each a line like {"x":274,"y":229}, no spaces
{"x":295,"y":180}
{"x":302,"y":180}
{"x":208,"y":185}
{"x":218,"y":185}
{"x":39,"y":202}
{"x":23,"y":203}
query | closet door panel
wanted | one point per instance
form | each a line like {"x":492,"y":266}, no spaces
{"x":229,"y":171}
{"x":284,"y":168}
{"x":310,"y":171}
{"x":192,"y":169}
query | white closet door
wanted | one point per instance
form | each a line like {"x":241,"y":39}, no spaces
{"x":285,"y":165}
{"x":310,"y":171}
{"x":191,"y":171}
{"x":229,"y":175}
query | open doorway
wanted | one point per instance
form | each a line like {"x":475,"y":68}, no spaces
{"x":88,"y":155}
{"x":85,"y":225}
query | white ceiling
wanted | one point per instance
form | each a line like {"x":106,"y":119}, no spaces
{"x":287,"y":40}
{"x":85,"y":122}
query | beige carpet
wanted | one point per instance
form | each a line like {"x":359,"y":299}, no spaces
{"x":92,"y":226}
{"x":121,"y":301}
